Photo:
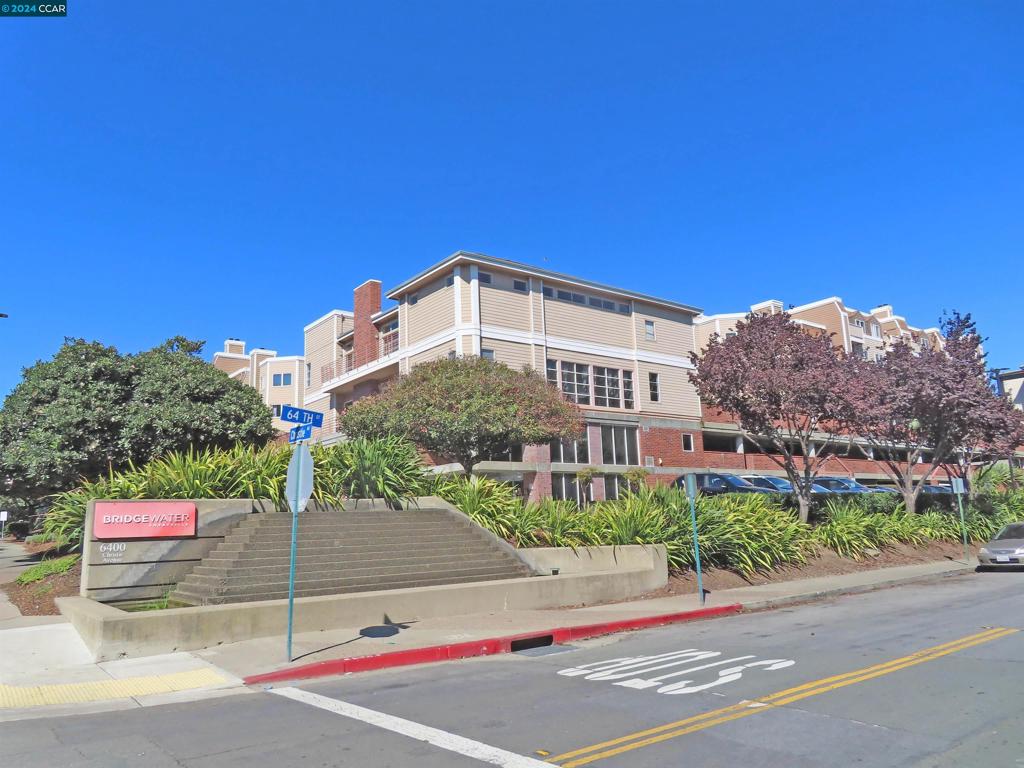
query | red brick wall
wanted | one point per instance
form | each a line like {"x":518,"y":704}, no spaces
{"x":366,"y":303}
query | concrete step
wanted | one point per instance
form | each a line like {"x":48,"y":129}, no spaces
{"x":370,"y":584}
{"x":346,"y":555}
{"x":263,"y":573}
{"x":193,"y":595}
{"x":334,"y":539}
{"x":347,"y":518}
{"x":362,"y":529}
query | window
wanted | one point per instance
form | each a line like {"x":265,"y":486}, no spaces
{"x":333,"y":401}
{"x":730,"y":334}
{"x":511,"y":453}
{"x":606,"y":387}
{"x":392,"y":326}
{"x":487,"y":354}
{"x":553,"y":373}
{"x":576,"y":382}
{"x":413,"y":298}
{"x":570,"y":451}
{"x":309,"y":374}
{"x":282,"y":379}
{"x":858,"y":323}
{"x":276,"y":410}
{"x":519,"y":285}
{"x":484,"y":277}
{"x":614,"y":486}
{"x":450,"y":280}
{"x":627,"y":389}
{"x":687,"y":442}
{"x":619,"y":445}
{"x":565,"y":486}
{"x":655,"y":387}
{"x":548,"y":292}
{"x":451,"y":354}
{"x":624,"y":309}
{"x":649,"y":330}
{"x":565,"y":295}
{"x":876,"y":331}
{"x":595,"y":302}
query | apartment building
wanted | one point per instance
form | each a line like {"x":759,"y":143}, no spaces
{"x":856,"y":332}
{"x":622,"y":356}
{"x":1011,"y":384}
{"x":865,"y":334}
{"x":280,"y":380}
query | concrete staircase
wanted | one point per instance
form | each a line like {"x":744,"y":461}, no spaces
{"x":347,"y":551}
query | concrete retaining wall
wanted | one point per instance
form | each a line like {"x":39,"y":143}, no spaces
{"x":590,"y":559}
{"x":111,"y":633}
{"x":149,"y":569}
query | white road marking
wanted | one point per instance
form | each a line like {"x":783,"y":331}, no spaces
{"x":449,"y":741}
{"x":632,"y":671}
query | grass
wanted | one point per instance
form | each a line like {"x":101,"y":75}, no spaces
{"x":46,"y":568}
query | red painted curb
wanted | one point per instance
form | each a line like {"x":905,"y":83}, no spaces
{"x":488,"y":647}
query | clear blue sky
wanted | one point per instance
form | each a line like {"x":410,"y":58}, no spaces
{"x":234,"y":169}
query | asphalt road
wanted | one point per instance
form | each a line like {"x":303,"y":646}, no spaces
{"x":934,"y":682}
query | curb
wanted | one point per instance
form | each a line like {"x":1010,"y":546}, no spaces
{"x":487,"y":647}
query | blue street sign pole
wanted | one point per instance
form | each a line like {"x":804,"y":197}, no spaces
{"x":298,"y":489}
{"x":291,"y":565}
{"x":691,"y":494}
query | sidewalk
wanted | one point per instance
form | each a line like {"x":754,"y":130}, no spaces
{"x":46,"y":671}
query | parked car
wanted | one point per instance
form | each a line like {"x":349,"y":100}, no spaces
{"x":842,"y":485}
{"x":779,"y":484}
{"x":714,"y":483}
{"x":1005,"y":548}
{"x":876,"y":488}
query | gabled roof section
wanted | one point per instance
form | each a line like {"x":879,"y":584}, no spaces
{"x":467,"y":257}
{"x":328,"y":316}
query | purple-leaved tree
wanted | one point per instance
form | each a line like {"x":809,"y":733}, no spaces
{"x":786,"y":387}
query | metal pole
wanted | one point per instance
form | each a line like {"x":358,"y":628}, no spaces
{"x":696,"y":551}
{"x":963,"y":524}
{"x":291,"y":567}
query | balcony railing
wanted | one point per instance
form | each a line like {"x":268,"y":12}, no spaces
{"x":388,"y":343}
{"x":340,"y":368}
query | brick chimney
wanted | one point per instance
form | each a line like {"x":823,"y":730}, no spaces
{"x":366,"y":303}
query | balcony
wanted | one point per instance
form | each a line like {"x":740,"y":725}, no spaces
{"x":340,"y":368}
{"x":388,"y":343}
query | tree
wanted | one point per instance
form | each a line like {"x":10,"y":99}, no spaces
{"x":465,"y":409}
{"x":784,"y":386}
{"x":919,"y":408}
{"x":990,"y":428}
{"x":90,"y":410}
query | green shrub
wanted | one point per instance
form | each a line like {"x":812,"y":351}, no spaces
{"x":47,"y":568}
{"x":388,"y":468}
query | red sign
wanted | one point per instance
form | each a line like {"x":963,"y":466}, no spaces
{"x":144,"y":519}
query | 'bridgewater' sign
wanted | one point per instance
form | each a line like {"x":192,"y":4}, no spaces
{"x":144,"y":520}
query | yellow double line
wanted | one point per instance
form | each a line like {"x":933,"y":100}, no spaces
{"x":678,"y":728}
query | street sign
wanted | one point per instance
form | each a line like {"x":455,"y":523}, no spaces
{"x":3,"y":515}
{"x":958,"y":484}
{"x":297,"y":490}
{"x":302,"y":432}
{"x":302,"y":416}
{"x":299,"y":485}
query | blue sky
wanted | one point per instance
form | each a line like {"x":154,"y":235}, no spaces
{"x":234,"y":169}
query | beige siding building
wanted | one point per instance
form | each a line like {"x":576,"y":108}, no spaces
{"x":280,"y":380}
{"x":622,"y":356}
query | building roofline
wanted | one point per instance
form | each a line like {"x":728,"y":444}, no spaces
{"x":819,"y":303}
{"x":329,"y":315}
{"x":231,"y":355}
{"x":515,"y":266}
{"x":282,"y":359}
{"x":384,"y":313}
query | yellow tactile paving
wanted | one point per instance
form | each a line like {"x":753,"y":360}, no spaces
{"x":21,"y":696}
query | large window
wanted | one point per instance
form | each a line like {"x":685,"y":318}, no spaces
{"x":512,"y":453}
{"x":565,"y":486}
{"x":619,"y":445}
{"x":282,"y":379}
{"x":570,"y":451}
{"x":613,"y":387}
{"x":576,"y":382}
{"x":654,"y":383}
{"x":606,"y":387}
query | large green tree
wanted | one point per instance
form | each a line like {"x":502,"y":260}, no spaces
{"x":465,"y":409}
{"x":91,"y":409}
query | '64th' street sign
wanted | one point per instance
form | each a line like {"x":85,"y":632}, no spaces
{"x":302,"y":416}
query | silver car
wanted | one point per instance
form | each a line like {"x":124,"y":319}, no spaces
{"x":1006,"y":548}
